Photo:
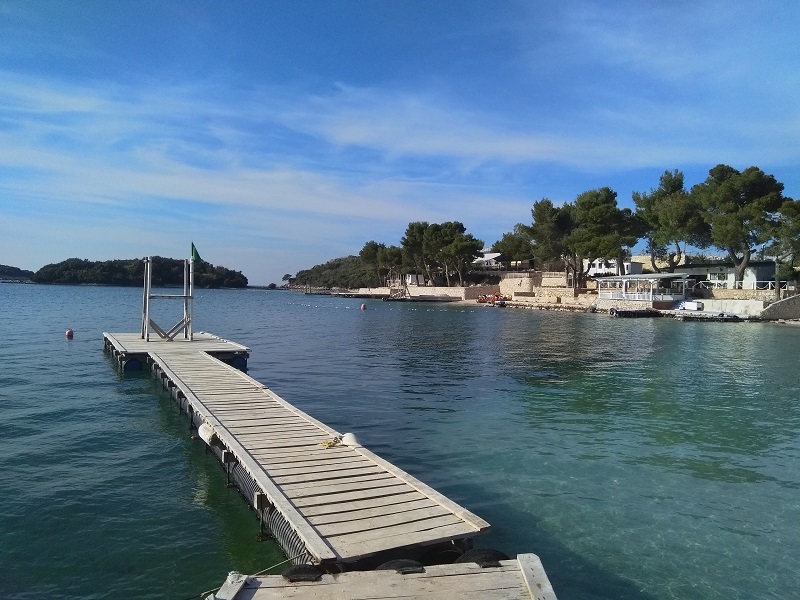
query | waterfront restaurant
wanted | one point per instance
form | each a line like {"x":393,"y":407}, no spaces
{"x":657,"y":290}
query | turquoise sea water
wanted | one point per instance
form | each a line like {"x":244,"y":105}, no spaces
{"x":640,"y":459}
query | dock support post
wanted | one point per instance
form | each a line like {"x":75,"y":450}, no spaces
{"x":262,"y":505}
{"x":229,"y":460}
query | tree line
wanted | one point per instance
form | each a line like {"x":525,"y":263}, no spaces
{"x":738,"y":213}
{"x":130,"y":272}
{"x":437,"y":250}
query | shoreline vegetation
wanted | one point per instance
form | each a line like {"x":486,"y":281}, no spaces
{"x":737,"y":215}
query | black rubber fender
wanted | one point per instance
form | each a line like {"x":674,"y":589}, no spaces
{"x":303,"y":573}
{"x":402,"y":565}
{"x":483,"y":557}
{"x":441,"y":556}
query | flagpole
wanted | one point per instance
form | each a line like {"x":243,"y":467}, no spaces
{"x":190,"y":323}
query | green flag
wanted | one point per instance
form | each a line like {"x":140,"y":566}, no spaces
{"x":195,"y":255}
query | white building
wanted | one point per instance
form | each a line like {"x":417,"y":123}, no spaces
{"x":601,"y":267}
{"x":413,"y":279}
{"x":654,"y":287}
{"x":759,"y":274}
{"x":489,"y":260}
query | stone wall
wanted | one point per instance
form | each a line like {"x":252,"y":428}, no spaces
{"x":788,"y":308}
{"x":534,"y":281}
{"x":422,"y":291}
{"x":742,"y":308}
{"x":552,"y":296}
{"x":721,"y":294}
{"x":554,"y":279}
{"x":512,"y":285}
{"x":511,"y":282}
{"x":548,"y":292}
{"x":606,"y":304}
{"x":379,"y":291}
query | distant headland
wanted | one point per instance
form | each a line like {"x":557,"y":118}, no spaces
{"x":126,"y":272}
{"x":14,"y":274}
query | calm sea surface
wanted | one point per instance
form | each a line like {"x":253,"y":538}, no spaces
{"x":640,"y":459}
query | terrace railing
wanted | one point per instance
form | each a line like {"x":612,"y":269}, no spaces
{"x":741,"y":285}
{"x":643,"y":296}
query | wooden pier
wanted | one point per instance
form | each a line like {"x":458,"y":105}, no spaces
{"x":326,"y":499}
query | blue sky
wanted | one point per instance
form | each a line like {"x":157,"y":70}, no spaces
{"x":279,"y":134}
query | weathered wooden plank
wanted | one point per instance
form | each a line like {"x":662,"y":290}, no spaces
{"x":322,"y":476}
{"x":346,"y":547}
{"x":337,"y":498}
{"x":536,"y":581}
{"x":248,"y":433}
{"x":278,"y":434}
{"x":272,"y":423}
{"x":335,"y":486}
{"x":275,"y":420}
{"x":438,"y":582}
{"x":493,"y":583}
{"x":267,"y":453}
{"x":265,"y":442}
{"x":257,"y":397}
{"x":367,"y":513}
{"x":319,"y":465}
{"x":247,"y":412}
{"x":279,"y":423}
{"x":251,"y":409}
{"x":474,"y":520}
{"x":276,"y":438}
{"x":255,"y":419}
{"x":409,"y":519}
{"x":402,"y":529}
{"x":334,"y":510}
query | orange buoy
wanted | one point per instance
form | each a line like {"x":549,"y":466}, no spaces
{"x":69,"y":333}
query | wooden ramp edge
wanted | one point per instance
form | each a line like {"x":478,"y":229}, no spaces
{"x":342,"y":501}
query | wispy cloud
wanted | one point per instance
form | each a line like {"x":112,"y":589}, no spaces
{"x":531,"y":103}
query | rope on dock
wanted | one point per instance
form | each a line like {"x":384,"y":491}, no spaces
{"x":277,"y":565}
{"x":216,"y":589}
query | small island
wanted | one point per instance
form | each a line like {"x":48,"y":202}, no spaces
{"x":167,"y":272}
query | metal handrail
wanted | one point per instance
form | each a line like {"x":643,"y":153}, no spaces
{"x":645,"y":296}
{"x":740,"y":285}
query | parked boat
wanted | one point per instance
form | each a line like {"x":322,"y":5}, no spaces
{"x":493,"y":298}
{"x":633,"y":313}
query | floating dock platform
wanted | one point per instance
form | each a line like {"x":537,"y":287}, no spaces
{"x":519,"y":579}
{"x":326,"y":499}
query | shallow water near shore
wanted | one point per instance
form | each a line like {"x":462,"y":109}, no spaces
{"x":640,"y":459}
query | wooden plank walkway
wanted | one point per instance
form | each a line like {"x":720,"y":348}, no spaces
{"x":343,"y":501}
{"x":520,"y":579}
{"x":131,"y":347}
